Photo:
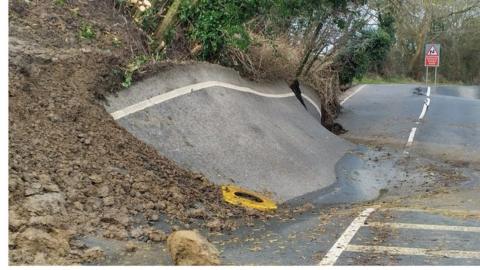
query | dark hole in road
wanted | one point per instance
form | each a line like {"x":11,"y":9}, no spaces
{"x":295,"y":86}
{"x":326,"y":119}
{"x":248,"y":196}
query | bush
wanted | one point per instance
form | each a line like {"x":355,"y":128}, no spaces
{"x":218,"y":24}
{"x":366,"y":51}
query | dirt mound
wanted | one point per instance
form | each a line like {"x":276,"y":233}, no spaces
{"x":191,"y":248}
{"x":72,"y":169}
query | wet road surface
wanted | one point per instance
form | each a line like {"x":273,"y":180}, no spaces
{"x":424,"y":208}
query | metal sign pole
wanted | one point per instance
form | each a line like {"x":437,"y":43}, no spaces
{"x":426,"y":78}
{"x":435,"y":84}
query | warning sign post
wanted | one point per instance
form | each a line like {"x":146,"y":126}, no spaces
{"x":432,"y":55}
{"x":432,"y":59}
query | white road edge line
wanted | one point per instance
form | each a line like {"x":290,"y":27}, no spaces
{"x":432,"y":227}
{"x":457,"y":254}
{"x":411,"y":136}
{"x":142,"y":105}
{"x":428,"y":91}
{"x":352,"y":94}
{"x":343,"y":241}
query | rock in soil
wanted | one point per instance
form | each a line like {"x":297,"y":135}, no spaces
{"x":37,"y":240}
{"x":131,"y":247}
{"x":156,"y":235}
{"x":191,"y":248}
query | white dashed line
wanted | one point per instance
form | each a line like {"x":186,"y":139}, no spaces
{"x":411,"y":136}
{"x":424,"y":110}
{"x":192,"y":88}
{"x":342,"y":242}
{"x":433,"y":227}
{"x":352,"y":94}
{"x":427,"y":101}
{"x":456,"y":254}
{"x":426,"y":104}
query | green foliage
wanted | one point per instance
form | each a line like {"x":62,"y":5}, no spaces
{"x":87,"y":32}
{"x":136,"y":64}
{"x":367,"y":51}
{"x":370,"y":78}
{"x":131,"y":68}
{"x":149,"y":19}
{"x":217,"y":24}
{"x":299,"y":15}
{"x":169,"y":34}
{"x":59,"y":2}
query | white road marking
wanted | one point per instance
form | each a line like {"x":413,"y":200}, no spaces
{"x":432,"y":210}
{"x":424,"y":110}
{"x":352,"y":94}
{"x":195,"y":87}
{"x":411,"y":136}
{"x":426,"y":104}
{"x":432,"y":227}
{"x":342,"y":242}
{"x":457,"y":254}
{"x":427,"y":101}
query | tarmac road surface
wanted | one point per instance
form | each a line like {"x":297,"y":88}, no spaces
{"x":386,"y":114}
{"x":414,"y":185}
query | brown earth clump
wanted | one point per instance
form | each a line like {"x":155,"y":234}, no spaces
{"x":191,"y":248}
{"x":72,"y":170}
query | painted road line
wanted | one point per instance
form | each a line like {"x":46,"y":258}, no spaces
{"x":352,"y":94}
{"x":432,"y":210}
{"x":411,"y":136}
{"x":424,"y":110}
{"x":456,"y":254}
{"x":343,"y":241}
{"x":426,"y":103}
{"x":196,"y":87}
{"x":432,"y":227}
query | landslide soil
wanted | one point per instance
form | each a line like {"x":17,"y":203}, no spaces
{"x":72,"y":170}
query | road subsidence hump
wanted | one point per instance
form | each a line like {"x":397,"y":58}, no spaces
{"x":255,"y":136}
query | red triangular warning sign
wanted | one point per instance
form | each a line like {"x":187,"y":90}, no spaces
{"x":432,"y":51}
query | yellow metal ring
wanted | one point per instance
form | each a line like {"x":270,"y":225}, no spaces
{"x":239,"y":196}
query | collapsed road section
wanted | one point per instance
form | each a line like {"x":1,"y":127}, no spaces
{"x":209,"y":120}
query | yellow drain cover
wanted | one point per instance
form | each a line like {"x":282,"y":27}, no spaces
{"x":239,"y":196}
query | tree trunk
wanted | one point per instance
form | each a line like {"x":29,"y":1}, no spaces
{"x":170,"y":18}
{"x":308,"y":50}
{"x":416,"y":61}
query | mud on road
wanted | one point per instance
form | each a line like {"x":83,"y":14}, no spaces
{"x":72,"y":170}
